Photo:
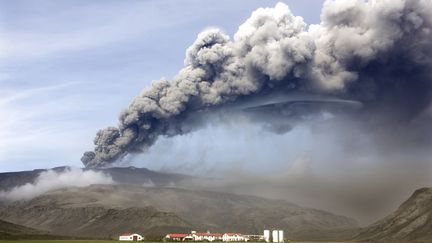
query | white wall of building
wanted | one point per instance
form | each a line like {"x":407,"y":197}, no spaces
{"x":236,"y":237}
{"x":131,"y":237}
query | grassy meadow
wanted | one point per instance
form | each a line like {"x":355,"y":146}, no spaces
{"x":111,"y":241}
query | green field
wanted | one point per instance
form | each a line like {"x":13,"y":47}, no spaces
{"x":59,"y":241}
{"x":110,"y":241}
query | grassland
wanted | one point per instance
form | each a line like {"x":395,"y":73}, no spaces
{"x":113,"y":241}
{"x":59,"y":241}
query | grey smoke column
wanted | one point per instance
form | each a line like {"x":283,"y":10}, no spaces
{"x":377,"y":52}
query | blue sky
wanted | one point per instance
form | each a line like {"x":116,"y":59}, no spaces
{"x":67,"y":68}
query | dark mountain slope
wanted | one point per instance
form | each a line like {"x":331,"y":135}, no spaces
{"x":76,"y":218}
{"x":411,"y":222}
{"x":107,"y":209}
{"x":9,"y":180}
{"x":15,"y":229}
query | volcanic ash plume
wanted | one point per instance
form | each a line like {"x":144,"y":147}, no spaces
{"x":375,"y":52}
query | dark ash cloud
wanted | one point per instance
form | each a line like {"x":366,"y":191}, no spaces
{"x":374,"y":52}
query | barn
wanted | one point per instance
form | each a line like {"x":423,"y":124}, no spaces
{"x":131,"y":237}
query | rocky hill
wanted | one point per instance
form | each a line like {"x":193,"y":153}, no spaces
{"x":411,"y":222}
{"x":106,"y":210}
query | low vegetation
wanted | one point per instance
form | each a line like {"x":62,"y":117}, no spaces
{"x":58,"y":241}
{"x":110,"y":241}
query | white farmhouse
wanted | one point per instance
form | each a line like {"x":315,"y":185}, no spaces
{"x":131,"y":237}
{"x":197,"y":236}
{"x":194,"y":236}
{"x":178,"y":237}
{"x":233,"y":237}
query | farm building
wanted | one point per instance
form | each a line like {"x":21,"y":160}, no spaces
{"x":254,"y":238}
{"x":206,"y":236}
{"x":233,"y":237}
{"x":210,"y":237}
{"x":276,"y":236}
{"x":131,"y":237}
{"x":194,"y":236}
{"x":176,"y":237}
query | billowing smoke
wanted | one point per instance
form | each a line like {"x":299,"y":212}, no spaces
{"x":50,"y":180}
{"x":374,"y":52}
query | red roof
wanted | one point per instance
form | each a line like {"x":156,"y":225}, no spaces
{"x":177,"y":235}
{"x":232,"y":234}
{"x":208,"y":234}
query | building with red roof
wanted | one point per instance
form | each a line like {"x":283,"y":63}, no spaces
{"x":176,"y":237}
{"x":234,"y":237}
{"x":206,"y":236}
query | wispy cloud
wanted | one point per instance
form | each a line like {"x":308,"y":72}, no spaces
{"x":85,"y":27}
{"x":30,"y":125}
{"x":9,"y":96}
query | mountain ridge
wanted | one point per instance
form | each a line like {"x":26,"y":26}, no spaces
{"x":410,"y":222}
{"x":123,"y":175}
{"x":104,"y":208}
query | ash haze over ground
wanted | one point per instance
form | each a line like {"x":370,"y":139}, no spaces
{"x":51,"y":179}
{"x":360,"y":163}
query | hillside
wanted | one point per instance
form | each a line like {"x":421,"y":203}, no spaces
{"x":105,"y":210}
{"x":124,"y":175}
{"x":411,"y":222}
{"x":12,"y":231}
{"x":9,"y":180}
{"x":7,"y":228}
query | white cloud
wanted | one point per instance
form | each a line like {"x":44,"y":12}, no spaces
{"x":49,"y":180}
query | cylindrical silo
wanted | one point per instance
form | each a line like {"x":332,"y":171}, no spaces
{"x":267,"y":235}
{"x":281,"y":236}
{"x":275,"y":235}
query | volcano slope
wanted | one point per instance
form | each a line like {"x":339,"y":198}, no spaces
{"x":411,"y":222}
{"x":13,"y":231}
{"x":123,"y":175}
{"x":107,"y":210}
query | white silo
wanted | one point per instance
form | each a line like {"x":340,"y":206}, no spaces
{"x":281,"y":236}
{"x":275,"y":236}
{"x":267,"y":235}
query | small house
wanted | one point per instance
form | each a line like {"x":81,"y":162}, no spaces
{"x":233,"y":237}
{"x":207,"y":236}
{"x":131,"y":237}
{"x":176,"y":237}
